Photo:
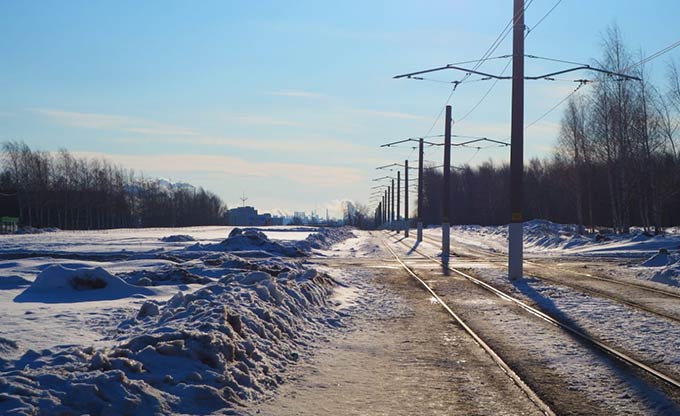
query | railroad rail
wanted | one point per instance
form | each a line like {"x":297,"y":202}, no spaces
{"x":586,"y":289}
{"x":540,"y":404}
{"x":544,"y":316}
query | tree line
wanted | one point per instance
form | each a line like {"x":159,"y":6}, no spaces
{"x":59,"y":190}
{"x":616,"y":162}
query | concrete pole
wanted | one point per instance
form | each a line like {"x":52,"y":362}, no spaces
{"x":382,"y":214}
{"x":420,"y":189}
{"x":406,"y":224}
{"x":446,"y":195}
{"x":386,"y":210}
{"x":398,"y":201}
{"x":392,"y":215}
{"x":515,"y":231}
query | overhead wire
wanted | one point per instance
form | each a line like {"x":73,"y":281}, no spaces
{"x":485,"y":57}
{"x":555,"y":106}
{"x":493,"y":85}
{"x":653,"y":56}
{"x":543,"y":18}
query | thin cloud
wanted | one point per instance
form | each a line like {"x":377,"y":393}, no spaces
{"x":390,"y":114}
{"x":251,"y":119}
{"x":112,"y":122}
{"x":297,"y":93}
{"x":305,"y":174}
{"x":311,"y":145}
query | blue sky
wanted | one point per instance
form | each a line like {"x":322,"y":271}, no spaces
{"x":287,"y":101}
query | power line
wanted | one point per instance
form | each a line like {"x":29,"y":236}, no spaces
{"x":481,"y":100}
{"x":562,"y":61}
{"x":543,"y":18}
{"x":654,"y":55}
{"x":499,"y":40}
{"x":556,"y":105}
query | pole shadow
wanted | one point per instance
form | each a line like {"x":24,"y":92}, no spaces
{"x":414,"y":248}
{"x":650,"y":394}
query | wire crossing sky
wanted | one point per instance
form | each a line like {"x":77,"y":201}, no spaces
{"x":290,"y":101}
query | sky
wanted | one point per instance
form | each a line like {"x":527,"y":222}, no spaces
{"x":289,"y":102}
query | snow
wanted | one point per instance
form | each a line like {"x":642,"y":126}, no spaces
{"x":125,"y":242}
{"x":199,"y":327}
{"x":657,"y":255}
{"x":545,"y":237}
{"x":58,"y":284}
{"x":661,"y":268}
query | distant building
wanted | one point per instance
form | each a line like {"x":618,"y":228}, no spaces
{"x":299,"y":217}
{"x":247,"y":216}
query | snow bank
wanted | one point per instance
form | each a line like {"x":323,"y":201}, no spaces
{"x":57,"y":284}
{"x":547,"y":237}
{"x":253,"y":240}
{"x":324,"y":238}
{"x":170,"y":274}
{"x":662,"y":268}
{"x":196,"y":353}
{"x":177,"y":238}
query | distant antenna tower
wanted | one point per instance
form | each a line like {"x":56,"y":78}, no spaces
{"x":243,"y":199}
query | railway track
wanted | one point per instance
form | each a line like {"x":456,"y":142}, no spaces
{"x":542,"y":406}
{"x":640,"y":297}
{"x":631,"y":362}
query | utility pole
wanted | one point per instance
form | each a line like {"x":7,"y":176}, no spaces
{"x":392,"y":202}
{"x":387,"y":205}
{"x":406,"y":224}
{"x":446,"y":196}
{"x":377,"y":216}
{"x":243,"y":198}
{"x":420,"y":189}
{"x":515,"y":230}
{"x":398,"y":201}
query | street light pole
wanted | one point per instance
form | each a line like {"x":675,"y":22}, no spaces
{"x":515,"y":231}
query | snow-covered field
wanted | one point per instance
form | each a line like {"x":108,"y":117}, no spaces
{"x":658,"y":257}
{"x":152,"y":321}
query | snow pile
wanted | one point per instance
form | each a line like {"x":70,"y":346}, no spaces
{"x":662,"y":268}
{"x":548,"y":237}
{"x":197,"y":353}
{"x":58,"y":284}
{"x":538,"y":234}
{"x":253,"y":241}
{"x":170,"y":274}
{"x":324,"y":238}
{"x":177,"y":238}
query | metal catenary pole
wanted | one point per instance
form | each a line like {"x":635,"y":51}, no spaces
{"x":446,"y":196}
{"x":420,"y":189}
{"x":515,"y":231}
{"x":406,"y":224}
